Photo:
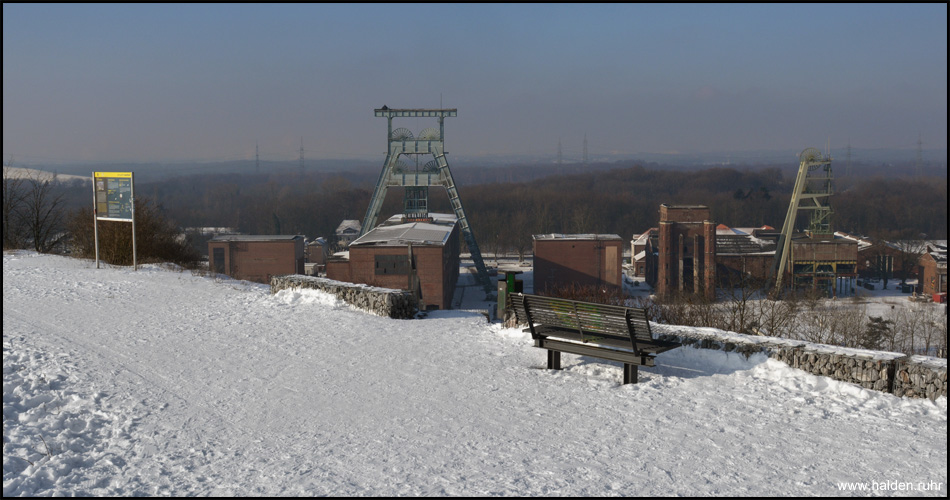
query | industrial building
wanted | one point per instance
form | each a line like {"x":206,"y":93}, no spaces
{"x":422,"y":257}
{"x":689,"y":253}
{"x":933,"y":271}
{"x":743,"y":255}
{"x":686,"y":255}
{"x":824,"y":262}
{"x":581,"y":259}
{"x":256,"y":258}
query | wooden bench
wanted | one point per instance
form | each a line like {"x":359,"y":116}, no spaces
{"x":603,"y":331}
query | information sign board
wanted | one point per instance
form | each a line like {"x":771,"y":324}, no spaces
{"x":114,"y":200}
{"x":113,"y":195}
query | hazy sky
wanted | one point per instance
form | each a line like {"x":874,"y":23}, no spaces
{"x":171,"y":83}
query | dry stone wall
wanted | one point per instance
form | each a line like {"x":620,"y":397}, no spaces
{"x":921,"y":376}
{"x":387,"y":302}
{"x":899,"y":374}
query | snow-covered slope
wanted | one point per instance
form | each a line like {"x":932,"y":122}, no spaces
{"x":158,"y":382}
{"x":41,"y":175}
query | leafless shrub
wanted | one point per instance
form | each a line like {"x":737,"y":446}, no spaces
{"x":589,"y":293}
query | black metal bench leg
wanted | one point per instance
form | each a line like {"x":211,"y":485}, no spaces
{"x":630,"y":373}
{"x":554,"y":360}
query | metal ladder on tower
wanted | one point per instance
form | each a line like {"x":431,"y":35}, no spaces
{"x":445,"y":176}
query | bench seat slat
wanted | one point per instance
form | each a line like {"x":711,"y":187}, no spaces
{"x":606,"y":339}
{"x":597,"y":352}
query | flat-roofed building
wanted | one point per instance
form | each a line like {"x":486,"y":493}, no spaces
{"x":256,"y":257}
{"x":415,"y":256}
{"x":561,"y":260}
{"x":824,"y":262}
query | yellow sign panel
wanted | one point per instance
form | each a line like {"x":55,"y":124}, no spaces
{"x":127,"y":175}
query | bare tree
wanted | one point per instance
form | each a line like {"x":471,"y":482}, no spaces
{"x":33,"y":211}
{"x":44,"y":213}
{"x":14,"y":196}
{"x":774,"y":317}
{"x":844,"y":326}
{"x":740,"y":314}
{"x":909,"y":251}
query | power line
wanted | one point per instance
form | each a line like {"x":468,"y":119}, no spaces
{"x":848,"y":168}
{"x":585,"y":149}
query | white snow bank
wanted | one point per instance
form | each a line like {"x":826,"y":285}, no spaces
{"x":164,"y":383}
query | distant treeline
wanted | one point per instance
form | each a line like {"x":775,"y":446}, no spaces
{"x":505,"y":212}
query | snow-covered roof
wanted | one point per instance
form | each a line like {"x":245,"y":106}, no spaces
{"x":210,"y":230}
{"x":394,"y":232}
{"x":723,"y":229}
{"x":559,"y":236}
{"x":863,"y":242}
{"x":255,"y":237}
{"x":349,"y":225}
{"x":642,"y":238}
{"x":741,"y":241}
{"x":939,"y":253}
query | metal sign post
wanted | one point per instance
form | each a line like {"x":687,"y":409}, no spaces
{"x":114,"y":199}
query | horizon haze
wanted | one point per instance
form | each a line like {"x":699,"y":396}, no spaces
{"x":216,"y":82}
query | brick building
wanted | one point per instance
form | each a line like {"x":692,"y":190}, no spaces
{"x":744,"y":256}
{"x":417,"y":256}
{"x":933,"y":269}
{"x":256,"y":258}
{"x":692,"y":254}
{"x":741,"y":255}
{"x":686,"y":253}
{"x":582,"y":259}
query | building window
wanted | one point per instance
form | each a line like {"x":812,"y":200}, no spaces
{"x":392,"y":264}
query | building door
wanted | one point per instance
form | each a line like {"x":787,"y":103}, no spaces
{"x":218,"y":258}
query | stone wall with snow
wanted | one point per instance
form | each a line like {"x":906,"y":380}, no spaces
{"x":390,"y":303}
{"x":896,"y":373}
{"x":921,"y":376}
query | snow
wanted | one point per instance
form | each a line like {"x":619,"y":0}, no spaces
{"x":40,"y":175}
{"x":162,"y":382}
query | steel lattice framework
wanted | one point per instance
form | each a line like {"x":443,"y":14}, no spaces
{"x":417,"y":181}
{"x":813,"y":189}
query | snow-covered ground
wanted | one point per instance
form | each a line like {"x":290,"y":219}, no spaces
{"x":41,"y":175}
{"x":159,"y":382}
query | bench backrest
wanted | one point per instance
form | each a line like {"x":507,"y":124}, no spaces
{"x":585,"y":317}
